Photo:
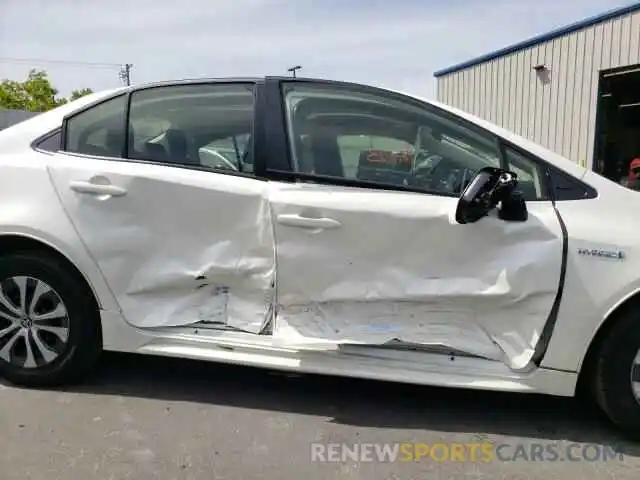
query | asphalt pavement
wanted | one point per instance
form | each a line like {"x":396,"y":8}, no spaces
{"x":144,"y":418}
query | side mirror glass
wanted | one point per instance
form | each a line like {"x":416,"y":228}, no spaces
{"x":491,"y":187}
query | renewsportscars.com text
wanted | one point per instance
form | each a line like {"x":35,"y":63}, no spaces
{"x":464,"y":452}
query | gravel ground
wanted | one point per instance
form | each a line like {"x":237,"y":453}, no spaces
{"x":152,"y":418}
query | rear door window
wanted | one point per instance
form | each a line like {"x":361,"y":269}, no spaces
{"x":99,"y":130}
{"x":193,"y":125}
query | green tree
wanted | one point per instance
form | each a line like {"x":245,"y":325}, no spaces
{"x":35,"y":94}
{"x":76,"y":94}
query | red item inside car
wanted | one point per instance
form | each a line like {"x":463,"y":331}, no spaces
{"x":634,"y":169}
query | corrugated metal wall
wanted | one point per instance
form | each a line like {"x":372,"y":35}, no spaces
{"x":557,"y":110}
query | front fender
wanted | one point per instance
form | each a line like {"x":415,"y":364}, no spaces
{"x":603,"y":269}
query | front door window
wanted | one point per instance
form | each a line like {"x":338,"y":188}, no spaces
{"x":373,"y":138}
{"x":349,"y":134}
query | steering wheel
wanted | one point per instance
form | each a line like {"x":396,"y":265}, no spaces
{"x":222,"y":162}
{"x":464,"y":179}
{"x":425,"y":165}
{"x":443,"y":175}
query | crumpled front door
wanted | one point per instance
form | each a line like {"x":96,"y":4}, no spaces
{"x":373,"y":267}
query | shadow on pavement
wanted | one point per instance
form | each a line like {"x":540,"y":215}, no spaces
{"x":356,"y":402}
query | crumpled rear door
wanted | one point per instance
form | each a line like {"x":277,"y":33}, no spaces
{"x":176,"y":246}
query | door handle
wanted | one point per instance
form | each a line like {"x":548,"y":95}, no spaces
{"x":307,"y":222}
{"x":97,"y":189}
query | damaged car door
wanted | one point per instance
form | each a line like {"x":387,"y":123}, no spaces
{"x":368,"y":247}
{"x":179,"y":240}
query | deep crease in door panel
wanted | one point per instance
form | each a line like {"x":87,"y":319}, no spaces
{"x":486,"y":289}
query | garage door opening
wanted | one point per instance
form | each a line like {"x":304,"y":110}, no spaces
{"x":618,"y":126}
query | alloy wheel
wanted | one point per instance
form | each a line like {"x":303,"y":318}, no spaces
{"x":34,"y":323}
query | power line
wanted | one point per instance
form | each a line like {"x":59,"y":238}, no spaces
{"x":124,"y":74}
{"x":61,"y":62}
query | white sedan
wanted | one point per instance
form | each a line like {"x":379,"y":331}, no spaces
{"x":349,"y":231}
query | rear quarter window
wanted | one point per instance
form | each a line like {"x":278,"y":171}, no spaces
{"x":50,"y":142}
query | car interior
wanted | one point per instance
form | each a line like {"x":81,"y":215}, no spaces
{"x":440,"y":156}
{"x":193,"y":135}
{"x":181,"y":131}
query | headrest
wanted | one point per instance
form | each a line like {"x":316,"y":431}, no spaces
{"x":114,"y":142}
{"x":155,"y":152}
{"x":176,"y":138}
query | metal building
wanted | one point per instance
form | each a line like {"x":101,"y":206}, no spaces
{"x":572,"y":90}
{"x":11,"y":117}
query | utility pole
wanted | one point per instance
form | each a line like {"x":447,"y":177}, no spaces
{"x":125,"y":74}
{"x":293,"y":70}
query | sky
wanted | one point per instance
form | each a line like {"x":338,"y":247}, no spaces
{"x":395,"y":44}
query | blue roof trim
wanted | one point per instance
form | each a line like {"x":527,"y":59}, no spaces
{"x":588,"y":22}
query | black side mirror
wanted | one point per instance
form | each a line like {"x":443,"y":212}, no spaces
{"x":488,"y":189}
{"x":513,"y":208}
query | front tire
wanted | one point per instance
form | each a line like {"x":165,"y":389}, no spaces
{"x":616,"y":377}
{"x":49,"y":321}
